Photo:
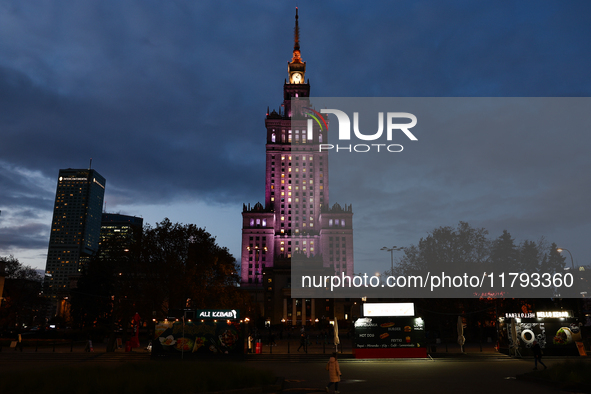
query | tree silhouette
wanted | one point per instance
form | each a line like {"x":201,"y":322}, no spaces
{"x":463,"y":249}
{"x":504,"y":254}
{"x":22,"y":301}
{"x":175,"y":266}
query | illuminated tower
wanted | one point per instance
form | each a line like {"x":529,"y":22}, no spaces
{"x":75,"y":227}
{"x":296,"y":217}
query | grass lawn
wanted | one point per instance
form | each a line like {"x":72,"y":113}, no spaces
{"x":145,"y":377}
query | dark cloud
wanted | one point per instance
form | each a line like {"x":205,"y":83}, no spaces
{"x":28,"y":236}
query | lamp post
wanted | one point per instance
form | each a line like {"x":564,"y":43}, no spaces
{"x":559,"y":250}
{"x":391,"y":250}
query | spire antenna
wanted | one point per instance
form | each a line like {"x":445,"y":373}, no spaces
{"x":296,"y":45}
{"x":296,"y":38}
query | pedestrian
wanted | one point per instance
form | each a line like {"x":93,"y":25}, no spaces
{"x":19,"y":344}
{"x":250,"y":339}
{"x":272,"y":339}
{"x":88,"y":347}
{"x":303,"y":342}
{"x":537,"y":355}
{"x":334,"y":373}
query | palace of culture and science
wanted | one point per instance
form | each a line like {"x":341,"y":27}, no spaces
{"x":296,"y":218}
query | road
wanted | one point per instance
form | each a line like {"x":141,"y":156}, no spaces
{"x":471,"y":375}
{"x":476,"y":373}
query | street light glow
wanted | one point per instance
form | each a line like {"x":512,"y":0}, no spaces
{"x":572,"y":263}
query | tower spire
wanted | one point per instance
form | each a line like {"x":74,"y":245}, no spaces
{"x":296,"y":68}
{"x":296,"y":46}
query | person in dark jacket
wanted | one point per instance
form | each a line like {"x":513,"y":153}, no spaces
{"x":537,"y":355}
{"x":303,"y":343}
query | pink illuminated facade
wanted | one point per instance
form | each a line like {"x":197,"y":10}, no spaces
{"x":296,"y":216}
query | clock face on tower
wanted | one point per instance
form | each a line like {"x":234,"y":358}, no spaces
{"x":296,"y":78}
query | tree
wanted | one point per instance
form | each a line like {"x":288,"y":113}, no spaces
{"x":15,"y":270}
{"x":553,"y":260}
{"x":92,"y":301}
{"x":529,"y":257}
{"x":174,"y":266}
{"x":504,"y":254}
{"x":185,"y":267}
{"x":22,"y":301}
{"x":461,"y":249}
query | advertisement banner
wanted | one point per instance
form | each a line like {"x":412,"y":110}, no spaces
{"x":198,"y":338}
{"x":555,"y":336}
{"x":389,"y":332}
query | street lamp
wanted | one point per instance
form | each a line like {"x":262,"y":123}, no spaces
{"x":559,"y":250}
{"x":391,"y":250}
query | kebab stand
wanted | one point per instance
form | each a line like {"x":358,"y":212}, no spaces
{"x":389,"y":330}
{"x":211,"y":332}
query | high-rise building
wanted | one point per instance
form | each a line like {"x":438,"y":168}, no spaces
{"x":296,"y":216}
{"x":121,"y":231}
{"x":75,"y":227}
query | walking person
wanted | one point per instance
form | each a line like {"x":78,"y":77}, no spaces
{"x":19,"y":344}
{"x":537,"y":355}
{"x":334,"y":373}
{"x":303,"y":343}
{"x":250,"y":339}
{"x":272,"y":339}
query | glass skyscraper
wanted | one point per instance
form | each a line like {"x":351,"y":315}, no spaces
{"x":75,"y":227}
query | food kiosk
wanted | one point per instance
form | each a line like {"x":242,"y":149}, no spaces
{"x":389,"y":330}
{"x":211,"y":332}
{"x":557,"y":332}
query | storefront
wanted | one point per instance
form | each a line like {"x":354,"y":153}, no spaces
{"x":557,"y":332}
{"x":389,"y":331}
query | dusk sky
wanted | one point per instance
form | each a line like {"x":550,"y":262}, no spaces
{"x":169,"y":101}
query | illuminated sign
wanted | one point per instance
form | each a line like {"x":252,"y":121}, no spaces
{"x":389,"y":309}
{"x":553,"y":314}
{"x":387,"y":332}
{"x":520,"y":315}
{"x":98,"y":183}
{"x":72,"y":179}
{"x":217,"y":314}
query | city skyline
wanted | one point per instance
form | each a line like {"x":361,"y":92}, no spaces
{"x":173,"y":99}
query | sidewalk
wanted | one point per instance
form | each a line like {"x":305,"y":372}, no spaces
{"x":62,"y":346}
{"x":290,"y":346}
